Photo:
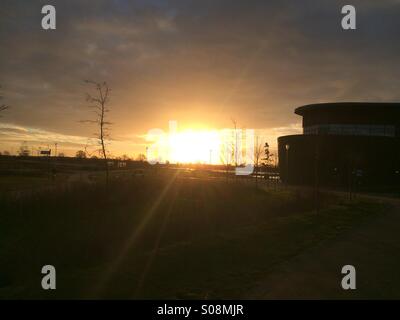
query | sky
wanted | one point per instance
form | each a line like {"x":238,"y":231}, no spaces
{"x":200,"y":63}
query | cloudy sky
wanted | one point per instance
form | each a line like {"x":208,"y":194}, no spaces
{"x":198,"y":62}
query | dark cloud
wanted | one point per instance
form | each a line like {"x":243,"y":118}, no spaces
{"x":205,"y":60}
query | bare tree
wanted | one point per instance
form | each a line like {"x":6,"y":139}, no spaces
{"x":125,"y":157}
{"x":2,"y":106}
{"x":226,"y":156}
{"x":80,"y":154}
{"x":268,"y":156}
{"x":235,"y":142}
{"x":258,"y":153}
{"x":89,"y":144}
{"x":99,"y":104}
{"x":141,"y":157}
{"x":267,"y":161}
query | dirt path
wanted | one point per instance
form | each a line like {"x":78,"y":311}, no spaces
{"x":373,"y":248}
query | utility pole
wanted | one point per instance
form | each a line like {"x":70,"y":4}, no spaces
{"x":236,"y":142}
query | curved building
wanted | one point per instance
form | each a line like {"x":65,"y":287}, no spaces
{"x":343,"y":143}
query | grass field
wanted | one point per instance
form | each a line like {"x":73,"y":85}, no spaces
{"x":161,"y":237}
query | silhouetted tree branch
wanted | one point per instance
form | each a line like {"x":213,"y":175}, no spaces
{"x":99,"y":104}
{"x":235,"y":142}
{"x":258,"y":152}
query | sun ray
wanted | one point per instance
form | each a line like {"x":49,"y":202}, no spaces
{"x":114,"y":266}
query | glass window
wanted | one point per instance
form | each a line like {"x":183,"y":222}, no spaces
{"x":349,"y":129}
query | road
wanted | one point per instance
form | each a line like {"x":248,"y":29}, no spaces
{"x":373,"y":248}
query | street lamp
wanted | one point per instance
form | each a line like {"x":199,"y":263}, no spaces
{"x":287,"y":147}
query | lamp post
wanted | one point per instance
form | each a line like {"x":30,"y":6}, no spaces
{"x":287,"y":147}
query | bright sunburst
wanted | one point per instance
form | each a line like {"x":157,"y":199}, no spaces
{"x":194,"y":147}
{"x":188,"y":146}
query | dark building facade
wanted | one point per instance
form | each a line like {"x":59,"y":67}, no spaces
{"x":342,"y":143}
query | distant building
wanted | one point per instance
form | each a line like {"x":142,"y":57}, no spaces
{"x":343,"y":143}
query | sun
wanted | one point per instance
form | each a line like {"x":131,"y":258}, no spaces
{"x":186,"y":146}
{"x":225,"y":146}
{"x":193,"y":146}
